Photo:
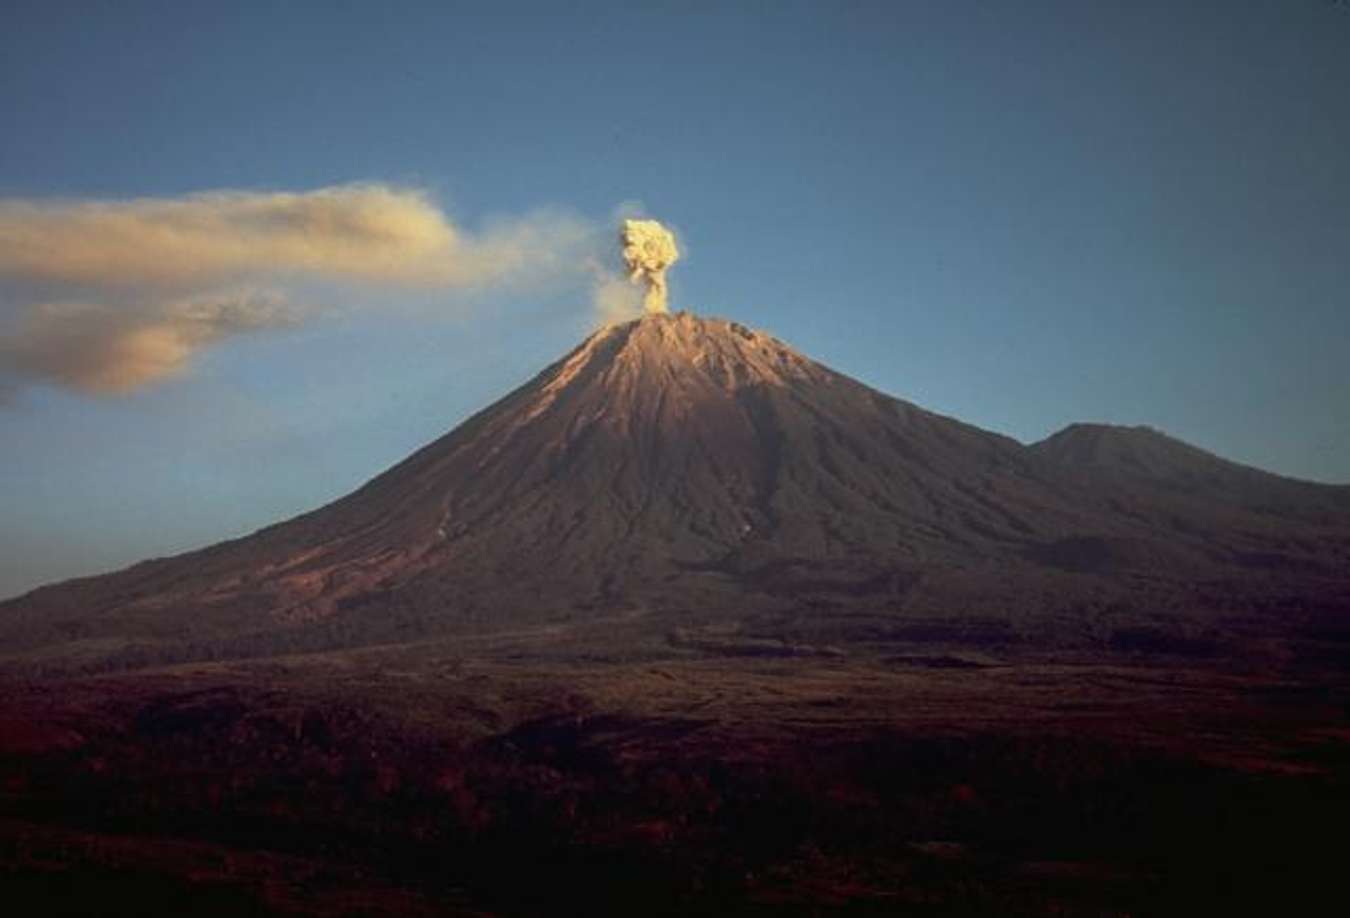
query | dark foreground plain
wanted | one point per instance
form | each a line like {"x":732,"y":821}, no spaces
{"x":500,"y":776}
{"x":690,"y":624}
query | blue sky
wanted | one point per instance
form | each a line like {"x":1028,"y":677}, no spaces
{"x":1019,"y":214}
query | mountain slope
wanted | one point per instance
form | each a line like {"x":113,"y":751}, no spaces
{"x":1147,"y":458}
{"x":1246,"y":517}
{"x":693,"y":467}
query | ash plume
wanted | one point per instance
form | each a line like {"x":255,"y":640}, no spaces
{"x":648,"y":251}
{"x":112,"y":296}
{"x":113,"y":349}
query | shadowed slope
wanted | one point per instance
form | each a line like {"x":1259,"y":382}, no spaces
{"x":1148,"y":458}
{"x":1244,"y":516}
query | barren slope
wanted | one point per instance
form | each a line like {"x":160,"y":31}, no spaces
{"x":693,"y":467}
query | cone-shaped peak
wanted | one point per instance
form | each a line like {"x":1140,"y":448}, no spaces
{"x":661,"y":347}
{"x":665,"y":370}
{"x":1138,"y":450}
{"x":678,"y":463}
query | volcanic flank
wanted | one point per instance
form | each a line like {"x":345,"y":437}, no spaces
{"x":693,"y":470}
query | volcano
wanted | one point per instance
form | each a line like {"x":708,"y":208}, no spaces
{"x":697,"y":472}
{"x":692,"y":624}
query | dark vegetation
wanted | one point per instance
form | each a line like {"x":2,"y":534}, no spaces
{"x":497,"y":780}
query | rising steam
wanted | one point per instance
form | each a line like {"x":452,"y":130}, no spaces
{"x":648,"y":250}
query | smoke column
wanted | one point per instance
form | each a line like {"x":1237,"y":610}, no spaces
{"x":648,"y":250}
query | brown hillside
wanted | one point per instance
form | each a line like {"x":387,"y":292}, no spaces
{"x":703,"y":472}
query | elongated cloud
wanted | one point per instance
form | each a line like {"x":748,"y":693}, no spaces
{"x":110,"y":296}
{"x":369,"y":232}
{"x":103,"y":349}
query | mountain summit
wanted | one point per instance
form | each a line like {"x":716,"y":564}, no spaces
{"x":693,"y":468}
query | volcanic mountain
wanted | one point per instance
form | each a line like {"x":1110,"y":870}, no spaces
{"x":693,"y":471}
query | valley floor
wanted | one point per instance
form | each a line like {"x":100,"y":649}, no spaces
{"x":516,"y":774}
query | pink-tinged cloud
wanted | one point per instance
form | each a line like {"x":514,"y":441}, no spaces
{"x":116,"y":295}
{"x":101,"y":349}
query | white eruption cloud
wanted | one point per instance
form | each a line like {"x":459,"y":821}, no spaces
{"x":111,"y":296}
{"x":648,"y":251}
